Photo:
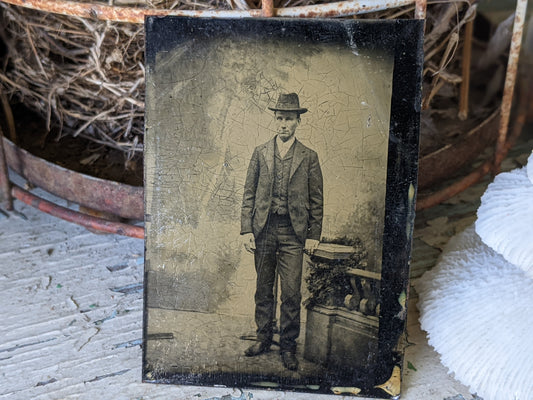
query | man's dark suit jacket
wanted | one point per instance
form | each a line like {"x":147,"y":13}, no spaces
{"x":305,"y":201}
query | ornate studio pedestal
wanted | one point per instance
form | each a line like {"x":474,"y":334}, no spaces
{"x":344,"y":337}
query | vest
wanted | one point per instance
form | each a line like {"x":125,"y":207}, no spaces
{"x":280,"y":189}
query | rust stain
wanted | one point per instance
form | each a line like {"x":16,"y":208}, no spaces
{"x":420,"y":9}
{"x":267,"y":8}
{"x":99,"y":194}
{"x":137,"y":15}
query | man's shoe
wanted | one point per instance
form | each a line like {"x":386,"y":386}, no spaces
{"x":289,"y":360}
{"x":257,"y":349}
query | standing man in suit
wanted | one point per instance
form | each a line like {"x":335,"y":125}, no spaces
{"x":281,"y":217}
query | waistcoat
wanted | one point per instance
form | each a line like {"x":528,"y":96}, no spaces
{"x":280,"y":189}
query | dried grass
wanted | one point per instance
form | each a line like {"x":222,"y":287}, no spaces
{"x":86,"y":77}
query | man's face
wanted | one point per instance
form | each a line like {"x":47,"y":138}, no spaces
{"x":286,"y":124}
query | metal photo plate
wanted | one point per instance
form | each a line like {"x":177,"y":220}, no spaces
{"x":280,"y":184}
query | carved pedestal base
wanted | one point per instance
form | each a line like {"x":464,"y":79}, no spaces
{"x":339,"y":339}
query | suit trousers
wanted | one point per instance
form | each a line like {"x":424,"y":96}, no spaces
{"x":278,"y":246}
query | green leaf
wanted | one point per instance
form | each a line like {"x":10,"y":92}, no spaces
{"x":411,"y":366}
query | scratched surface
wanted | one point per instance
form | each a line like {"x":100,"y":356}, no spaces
{"x":207,"y":109}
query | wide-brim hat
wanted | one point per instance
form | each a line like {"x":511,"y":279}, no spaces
{"x":288,"y":102}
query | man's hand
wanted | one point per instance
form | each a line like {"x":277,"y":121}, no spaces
{"x":248,"y":240}
{"x":310,"y":246}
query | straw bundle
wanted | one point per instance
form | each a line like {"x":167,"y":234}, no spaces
{"x":84,"y":77}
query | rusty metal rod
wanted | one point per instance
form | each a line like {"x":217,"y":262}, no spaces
{"x":420,"y":9}
{"x":267,"y":8}
{"x":76,"y":217}
{"x":136,"y":15}
{"x":467,"y":58}
{"x":6,"y":200}
{"x":510,"y":80}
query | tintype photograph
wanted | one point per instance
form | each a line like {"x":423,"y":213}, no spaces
{"x":280,"y":181}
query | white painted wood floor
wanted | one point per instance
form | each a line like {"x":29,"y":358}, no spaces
{"x":71,"y":321}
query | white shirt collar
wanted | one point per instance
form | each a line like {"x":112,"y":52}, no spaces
{"x":283,"y":147}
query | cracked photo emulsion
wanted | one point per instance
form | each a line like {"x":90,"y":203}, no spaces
{"x":280,"y":183}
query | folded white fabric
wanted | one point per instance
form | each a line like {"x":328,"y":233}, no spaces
{"x":478,"y":311}
{"x":505,"y":217}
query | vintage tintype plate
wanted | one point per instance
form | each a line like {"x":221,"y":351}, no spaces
{"x":280,"y":179}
